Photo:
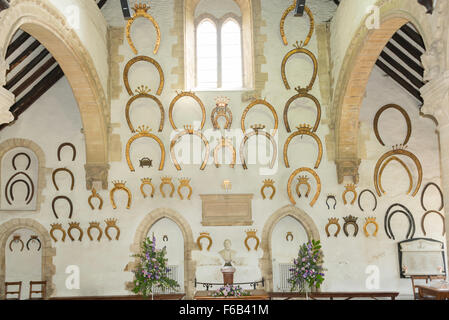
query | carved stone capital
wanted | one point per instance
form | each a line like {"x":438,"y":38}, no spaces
{"x":3,"y":68}
{"x":96,"y":172}
{"x":348,"y":168}
{"x":436,"y":99}
{"x":7,"y":99}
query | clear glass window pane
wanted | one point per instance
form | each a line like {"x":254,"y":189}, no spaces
{"x":231,"y":54}
{"x":206,"y":53}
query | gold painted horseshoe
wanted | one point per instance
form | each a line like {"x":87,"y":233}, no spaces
{"x":147,"y":181}
{"x":304,"y":130}
{"x":370,"y":220}
{"x":204,"y":235}
{"x":398,"y":150}
{"x":317,"y":179}
{"x":143,"y":92}
{"x":111,"y":223}
{"x":147,"y":59}
{"x":315,"y":68}
{"x":298,"y":96}
{"x":193,"y":96}
{"x":225,"y":143}
{"x":75,"y":225}
{"x":349,"y":188}
{"x":189,"y":131}
{"x":167,"y":180}
{"x":268,"y":183}
{"x":94,"y":225}
{"x":402,"y":111}
{"x":184,"y":183}
{"x":333,"y":221}
{"x":95,"y":195}
{"x":264,"y":103}
{"x":258,"y":131}
{"x":402,"y":163}
{"x":53,"y":177}
{"x":251,"y":234}
{"x":120,"y":185}
{"x":144,"y":132}
{"x":141,"y":11}
{"x":312,"y":24}
{"x":54,"y":227}
{"x":424,"y":217}
{"x":303,"y":180}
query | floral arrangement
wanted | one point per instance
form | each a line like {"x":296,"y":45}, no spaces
{"x":152,"y":271}
{"x":230,"y":291}
{"x":308,"y":269}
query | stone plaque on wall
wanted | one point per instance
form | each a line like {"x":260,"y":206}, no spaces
{"x":227,"y":209}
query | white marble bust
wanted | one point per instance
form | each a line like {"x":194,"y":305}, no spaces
{"x":227,"y":253}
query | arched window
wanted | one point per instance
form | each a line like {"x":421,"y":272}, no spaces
{"x":231,"y":55}
{"x":206,"y":53}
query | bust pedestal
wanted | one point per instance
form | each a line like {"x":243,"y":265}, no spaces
{"x":228,"y":275}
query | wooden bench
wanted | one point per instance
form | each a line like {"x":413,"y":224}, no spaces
{"x":334,"y":295}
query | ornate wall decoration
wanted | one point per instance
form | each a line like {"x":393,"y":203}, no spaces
{"x":120,"y":185}
{"x":29,"y":184}
{"x":252,"y":234}
{"x":66,"y":199}
{"x":221,"y":111}
{"x":288,"y":236}
{"x":370,"y":220}
{"x":299,"y":50}
{"x":111,"y":224}
{"x":268,"y":183}
{"x":404,"y":210}
{"x":402,"y":163}
{"x":147,"y":181}
{"x":317,"y":179}
{"x":225,"y":143}
{"x":75,"y":225}
{"x":252,"y":105}
{"x":439,"y":191}
{"x":53,"y":177}
{"x":34,"y":238}
{"x":374,"y":196}
{"x":184,"y":183}
{"x":94,"y":225}
{"x":257,"y":130}
{"x":424,"y":217}
{"x":349,"y":188}
{"x":141,"y":11}
{"x":16,"y":239}
{"x":95,"y":195}
{"x":149,"y":60}
{"x":397,"y":150}
{"x":144,"y":132}
{"x":350,"y":220}
{"x":303,"y":180}
{"x":167,"y":181}
{"x":54,"y":227}
{"x":226,"y":209}
{"x":331,"y":196}
{"x":193,"y":96}
{"x":312,"y":24}
{"x":331,"y":222}
{"x":13,"y":161}
{"x":403,"y":112}
{"x":145,"y":162}
{"x":204,"y":235}
{"x":304,"y":129}
{"x":144,"y":92}
{"x":188,"y":130}
{"x":302,"y":94}
{"x":66,"y":144}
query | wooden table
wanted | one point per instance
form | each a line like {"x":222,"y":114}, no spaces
{"x":425,"y":292}
{"x":331,"y":295}
{"x":255,"y":295}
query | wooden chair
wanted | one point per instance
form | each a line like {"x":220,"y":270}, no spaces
{"x":8,"y":292}
{"x":42,"y":290}
{"x":428,"y":278}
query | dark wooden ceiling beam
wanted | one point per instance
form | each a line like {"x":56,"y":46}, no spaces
{"x":415,"y":36}
{"x":23,"y":55}
{"x":407,"y":60}
{"x":125,"y":9}
{"x":31,"y":79}
{"x":17,"y":43}
{"x":407,"y":46}
{"x":402,"y":70}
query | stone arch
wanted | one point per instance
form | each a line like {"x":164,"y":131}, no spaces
{"x":355,"y":71}
{"x":142,"y":231}
{"x":48,"y":252}
{"x":46,"y":23}
{"x":13,"y":143}
{"x":302,"y":218}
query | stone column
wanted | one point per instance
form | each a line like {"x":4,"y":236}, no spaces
{"x":7,"y":99}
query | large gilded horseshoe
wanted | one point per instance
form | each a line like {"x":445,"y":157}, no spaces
{"x":204,"y":235}
{"x":53,"y":177}
{"x":225,"y":143}
{"x":424,"y":191}
{"x":120,"y":185}
{"x":315,"y":68}
{"x":298,"y":96}
{"x":424,"y":217}
{"x":406,"y":117}
{"x":398,"y":151}
{"x":144,"y":94}
{"x":252,"y":105}
{"x":147,"y":59}
{"x":189,"y":131}
{"x":141,"y":11}
{"x":312,"y":24}
{"x":318,"y":184}
{"x":251,"y":234}
{"x":402,"y":163}
{"x":193,"y":96}
{"x":304,"y":130}
{"x":257,"y":133}
{"x":144,"y":132}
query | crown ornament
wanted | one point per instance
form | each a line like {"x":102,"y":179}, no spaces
{"x":189,"y":129}
{"x":146,"y":180}
{"x":142,"y":89}
{"x":119,"y":184}
{"x":184,"y":181}
{"x":94,"y":224}
{"x":350,"y":219}
{"x":370,"y":220}
{"x":257,"y":127}
{"x":268,"y":182}
{"x":74,"y":224}
{"x":350,"y":187}
{"x":399,"y":147}
{"x":141,"y":8}
{"x":166,"y":179}
{"x":333,"y":220}
{"x":331,"y":195}
{"x":111,"y":222}
{"x":301,"y":90}
{"x":251,"y":232}
{"x":16,"y":238}
{"x":304,"y":128}
{"x":222,"y":101}
{"x":56,"y":225}
{"x":303,"y":179}
{"x":143,"y":129}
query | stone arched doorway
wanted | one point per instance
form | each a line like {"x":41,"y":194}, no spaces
{"x":142,"y":231}
{"x":294,"y":212}
{"x":88,"y":80}
{"x":48,"y":252}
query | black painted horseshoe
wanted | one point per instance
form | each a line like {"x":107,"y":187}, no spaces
{"x":34,"y":238}
{"x":374,"y":196}
{"x":327,"y":201}
{"x":65,"y":198}
{"x":424,"y":191}
{"x":9,"y":181}
{"x":411,"y":228}
{"x":66,"y":144}
{"x":11,"y":189}
{"x":21,"y":154}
